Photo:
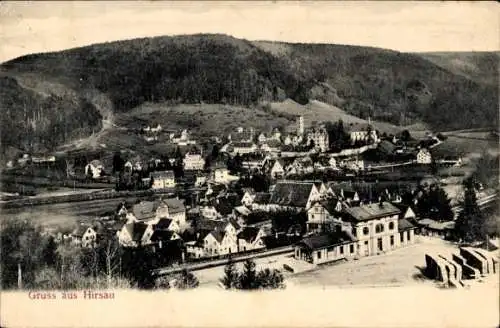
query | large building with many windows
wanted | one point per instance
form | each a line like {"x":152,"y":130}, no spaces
{"x":360,"y":231}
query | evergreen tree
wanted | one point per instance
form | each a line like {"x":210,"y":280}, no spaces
{"x":271,"y":279}
{"x":230,"y":279}
{"x":248,"y":279}
{"x":187,"y":280}
{"x":470,"y":225}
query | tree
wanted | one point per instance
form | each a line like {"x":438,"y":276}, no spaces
{"x":405,"y":136}
{"x":24,"y":248}
{"x":215,"y":151}
{"x":470,"y":225}
{"x":118,"y":163}
{"x":187,"y":280}
{"x":248,"y":278}
{"x":271,"y":279}
{"x":231,"y":275}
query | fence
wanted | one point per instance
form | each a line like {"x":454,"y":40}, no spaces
{"x":216,"y":263}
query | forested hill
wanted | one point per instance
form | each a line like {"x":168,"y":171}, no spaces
{"x":388,"y":85}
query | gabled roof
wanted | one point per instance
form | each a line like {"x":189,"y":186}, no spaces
{"x":330,"y":205}
{"x":404,"y":224}
{"x":162,"y":235}
{"x":145,"y":210}
{"x":162,"y":175}
{"x":218,"y":235}
{"x":262,"y":198}
{"x":294,"y":194}
{"x":136,"y":230}
{"x":163,"y":224}
{"x":372,"y":211}
{"x":81,"y":229}
{"x":328,"y":239}
{"x":174,"y":205}
{"x":249,"y":234}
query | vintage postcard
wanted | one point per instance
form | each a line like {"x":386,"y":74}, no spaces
{"x":249,"y":164}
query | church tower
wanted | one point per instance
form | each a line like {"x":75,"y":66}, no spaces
{"x":300,"y":125}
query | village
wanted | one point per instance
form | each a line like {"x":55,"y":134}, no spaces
{"x":325,"y":194}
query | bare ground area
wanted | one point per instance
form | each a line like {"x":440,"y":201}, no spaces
{"x":399,"y":267}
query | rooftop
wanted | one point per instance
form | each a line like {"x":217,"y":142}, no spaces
{"x":372,"y":211}
{"x":328,"y":239}
{"x":291,"y":193}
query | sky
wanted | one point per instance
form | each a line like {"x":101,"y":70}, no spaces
{"x":31,"y":27}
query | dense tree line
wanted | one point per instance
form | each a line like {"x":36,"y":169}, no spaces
{"x":33,"y":260}
{"x":221,"y":69}
{"x":251,"y":279}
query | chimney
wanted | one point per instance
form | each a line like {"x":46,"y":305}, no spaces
{"x":381,"y":203}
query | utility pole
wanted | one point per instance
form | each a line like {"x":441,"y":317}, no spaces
{"x":19,"y":276}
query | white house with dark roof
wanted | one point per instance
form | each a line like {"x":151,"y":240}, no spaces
{"x":293,"y":195}
{"x":244,"y":147}
{"x":131,"y":234}
{"x":172,"y":208}
{"x":327,"y":247}
{"x":193,"y":162}
{"x":95,"y":169}
{"x":250,"y":238}
{"x":84,"y":235}
{"x":376,"y":227}
{"x":323,"y":214}
{"x":163,"y":179}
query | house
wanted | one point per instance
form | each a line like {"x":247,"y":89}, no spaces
{"x":361,"y":132}
{"x":429,"y":227}
{"x":216,"y":238}
{"x":276,"y":134}
{"x":270,"y":146}
{"x":131,"y":234}
{"x":85,"y":236}
{"x":144,"y":211}
{"x":424,"y":156}
{"x":250,"y":238}
{"x":301,"y":165}
{"x":327,"y":247}
{"x":173,"y":208}
{"x":261,"y":201}
{"x":262,"y":137}
{"x":162,"y":225}
{"x":256,"y":162}
{"x":163,"y":179}
{"x":248,"y":196}
{"x":244,"y":148}
{"x":95,"y":169}
{"x":293,"y":195}
{"x":241,"y":213}
{"x":319,"y":137}
{"x":193,"y":161}
{"x":322,"y":215}
{"x":375,"y":226}
{"x":277,"y":170}
{"x":220,"y":174}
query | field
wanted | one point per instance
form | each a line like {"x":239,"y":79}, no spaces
{"x":204,"y":119}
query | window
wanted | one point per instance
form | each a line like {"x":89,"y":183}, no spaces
{"x":366,"y":231}
{"x":351,"y":248}
{"x":402,"y":237}
{"x":391,"y":225}
{"x":319,"y":254}
{"x":392,"y":240}
{"x":379,"y":228}
{"x":408,"y":236}
{"x":342,"y":249}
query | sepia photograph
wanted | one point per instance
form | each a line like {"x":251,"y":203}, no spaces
{"x":249,"y":164}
